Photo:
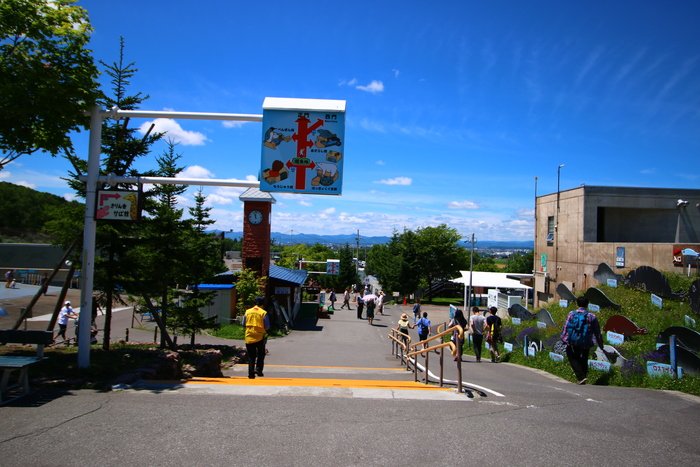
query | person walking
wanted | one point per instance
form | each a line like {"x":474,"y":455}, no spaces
{"x":256,"y":323}
{"x":360,"y":306}
{"x":459,"y":319}
{"x":493,"y":333}
{"x":346,"y":299}
{"x":580,"y":328}
{"x":380,"y":303}
{"x":477,"y":328}
{"x":371,"y":304}
{"x":332,"y":299}
{"x":403,"y":325}
{"x":9,"y":278}
{"x":64,"y":315}
{"x":416,"y":311}
{"x":423,"y":326}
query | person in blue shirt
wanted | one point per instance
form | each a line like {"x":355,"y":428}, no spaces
{"x":423,"y":326}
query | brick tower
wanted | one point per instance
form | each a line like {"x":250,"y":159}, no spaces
{"x":257,"y":207}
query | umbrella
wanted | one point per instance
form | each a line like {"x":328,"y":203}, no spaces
{"x":369,"y":296}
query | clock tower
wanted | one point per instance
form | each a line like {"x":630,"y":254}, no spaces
{"x":257,"y":207}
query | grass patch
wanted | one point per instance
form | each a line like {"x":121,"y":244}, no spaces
{"x":636,"y":305}
{"x":236,"y":331}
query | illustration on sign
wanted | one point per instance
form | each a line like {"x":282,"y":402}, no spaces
{"x":117,"y":205}
{"x":303,"y":146}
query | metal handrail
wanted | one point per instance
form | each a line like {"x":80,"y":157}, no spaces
{"x":410,"y":354}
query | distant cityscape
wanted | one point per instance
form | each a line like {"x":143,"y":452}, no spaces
{"x":493,"y":248}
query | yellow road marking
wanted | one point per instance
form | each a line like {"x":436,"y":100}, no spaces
{"x":336,"y":367}
{"x":318,"y":382}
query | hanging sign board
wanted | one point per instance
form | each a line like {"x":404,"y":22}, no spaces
{"x":303,"y":146}
{"x":117,"y":206}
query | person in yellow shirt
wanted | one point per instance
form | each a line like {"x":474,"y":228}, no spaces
{"x":256,"y":323}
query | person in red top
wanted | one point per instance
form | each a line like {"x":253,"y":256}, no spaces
{"x":256,"y":323}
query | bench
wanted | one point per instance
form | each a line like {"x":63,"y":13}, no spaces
{"x":21,"y":363}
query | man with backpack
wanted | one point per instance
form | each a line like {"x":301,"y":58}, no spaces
{"x":423,"y":326}
{"x":493,"y":333}
{"x":578,"y":332}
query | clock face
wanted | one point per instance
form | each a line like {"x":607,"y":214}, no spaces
{"x":255,"y":217}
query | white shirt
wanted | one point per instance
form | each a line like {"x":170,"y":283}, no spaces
{"x":63,"y":315}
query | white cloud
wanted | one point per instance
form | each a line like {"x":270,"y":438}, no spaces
{"x":305,"y":203}
{"x":403,"y":181}
{"x":232,"y":124}
{"x":70,"y":196}
{"x":175,"y":132}
{"x":380,"y":162}
{"x":372,"y":125}
{"x":214,"y":199}
{"x":374,"y":87}
{"x":462,"y":205}
{"x":5,"y":174}
{"x":396,"y":72}
{"x":344,"y":82}
{"x":326,"y":213}
{"x":195,"y":171}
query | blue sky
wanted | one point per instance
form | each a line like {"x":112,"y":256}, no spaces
{"x":453,"y":107}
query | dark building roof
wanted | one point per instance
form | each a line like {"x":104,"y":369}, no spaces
{"x":293,"y":276}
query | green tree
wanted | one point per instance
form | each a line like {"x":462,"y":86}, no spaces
{"x":164,"y":238}
{"x":520,"y":263}
{"x":201,"y":261}
{"x":347,"y":274}
{"x":248,"y":286}
{"x":48,"y":78}
{"x":439,"y":255}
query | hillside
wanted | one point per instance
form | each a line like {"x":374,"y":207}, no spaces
{"x":23,"y":213}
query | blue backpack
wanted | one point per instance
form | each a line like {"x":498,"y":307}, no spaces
{"x":578,"y":330}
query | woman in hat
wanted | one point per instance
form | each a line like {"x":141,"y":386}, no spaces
{"x":402,"y":327}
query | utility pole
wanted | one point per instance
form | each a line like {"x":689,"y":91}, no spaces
{"x":471,"y":268}
{"x":357,"y":251}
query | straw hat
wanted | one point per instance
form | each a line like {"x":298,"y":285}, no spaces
{"x":404,"y":316}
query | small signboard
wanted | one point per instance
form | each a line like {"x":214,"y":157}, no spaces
{"x":612,"y":283}
{"x":615,"y":338}
{"x":530,"y":351}
{"x":117,"y":206}
{"x":557,"y":357}
{"x":593,"y":308}
{"x":689,"y":322}
{"x":541,"y":325}
{"x":599,"y":365}
{"x":303,"y":146}
{"x":333,"y":267}
{"x":620,"y":257}
{"x":515,"y":321}
{"x":508,"y":347}
{"x":543,"y":262}
{"x":657,"y":301}
{"x":563,"y":303}
{"x":662,"y":369}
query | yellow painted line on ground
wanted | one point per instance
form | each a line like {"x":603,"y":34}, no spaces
{"x":363,"y":368}
{"x":318,"y":382}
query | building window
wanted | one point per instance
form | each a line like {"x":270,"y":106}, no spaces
{"x":550,"y":231}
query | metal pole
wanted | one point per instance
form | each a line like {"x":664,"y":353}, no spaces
{"x":672,"y":355}
{"x":556,"y":228}
{"x":89,"y":233}
{"x":471,"y":269}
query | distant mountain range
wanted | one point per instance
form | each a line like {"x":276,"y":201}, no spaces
{"x":351,"y":239}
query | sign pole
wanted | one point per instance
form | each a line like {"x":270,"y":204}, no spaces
{"x":89,"y":233}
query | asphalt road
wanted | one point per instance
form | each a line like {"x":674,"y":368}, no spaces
{"x":518,"y":416}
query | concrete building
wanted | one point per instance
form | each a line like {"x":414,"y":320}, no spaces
{"x":577,"y":229}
